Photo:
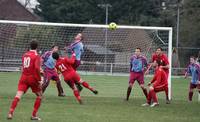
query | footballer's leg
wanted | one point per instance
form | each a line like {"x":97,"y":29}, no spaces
{"x":59,"y":86}
{"x":148,"y":101}
{"x":129,"y":91}
{"x":37,"y":104}
{"x":75,"y":66}
{"x":154,"y":97}
{"x":79,"y":87}
{"x":190,"y":95}
{"x":77,"y":79}
{"x":167,"y":95}
{"x":144,"y":89}
{"x":75,"y":90}
{"x":131,"y":83}
{"x":140,"y":80}
{"x":45,"y":82}
{"x":86,"y":85}
{"x":14,"y":104}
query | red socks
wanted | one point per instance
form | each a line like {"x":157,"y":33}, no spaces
{"x":86,"y":85}
{"x":152,"y":95}
{"x":36,"y":106}
{"x":13,"y":105}
{"x":76,"y":94}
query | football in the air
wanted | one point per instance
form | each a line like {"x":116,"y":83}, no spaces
{"x":112,"y":26}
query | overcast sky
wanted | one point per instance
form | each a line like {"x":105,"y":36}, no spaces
{"x":32,"y":4}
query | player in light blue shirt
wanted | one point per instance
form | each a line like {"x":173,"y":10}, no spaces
{"x":194,"y":70}
{"x":77,"y":48}
{"x":138,"y":64}
{"x":50,"y":72}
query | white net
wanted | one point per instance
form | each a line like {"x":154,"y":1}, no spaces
{"x":104,"y":50}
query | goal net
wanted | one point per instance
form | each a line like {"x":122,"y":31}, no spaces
{"x":105,"y":51}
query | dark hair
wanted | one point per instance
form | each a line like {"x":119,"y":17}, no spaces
{"x":54,"y":46}
{"x":55,"y":55}
{"x":193,"y":57}
{"x":33,"y":45}
{"x":138,"y":49}
{"x":160,"y":48}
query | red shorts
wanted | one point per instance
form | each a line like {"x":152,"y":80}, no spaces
{"x":160,"y":88}
{"x":193,"y":86}
{"x":139,"y":76}
{"x":51,"y":74}
{"x":28,"y":81}
{"x":71,"y":76}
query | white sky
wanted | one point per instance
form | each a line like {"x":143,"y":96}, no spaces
{"x":32,"y":4}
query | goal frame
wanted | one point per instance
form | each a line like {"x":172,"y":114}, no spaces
{"x":169,"y":29}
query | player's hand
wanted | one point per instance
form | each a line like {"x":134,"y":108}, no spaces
{"x":198,"y":82}
{"x":185,"y":76}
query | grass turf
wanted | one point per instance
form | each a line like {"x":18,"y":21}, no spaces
{"x":107,"y":106}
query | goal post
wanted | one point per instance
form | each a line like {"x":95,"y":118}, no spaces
{"x":105,"y":51}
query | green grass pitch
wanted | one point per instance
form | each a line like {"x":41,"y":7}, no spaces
{"x":107,"y":106}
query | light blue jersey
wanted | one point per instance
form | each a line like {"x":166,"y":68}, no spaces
{"x":49,"y":62}
{"x":194,"y":71}
{"x":77,"y":48}
{"x":138,"y":63}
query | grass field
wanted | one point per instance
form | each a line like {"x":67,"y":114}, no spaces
{"x":107,"y":106}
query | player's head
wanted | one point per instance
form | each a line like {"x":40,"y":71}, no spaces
{"x":33,"y":45}
{"x":55,"y":55}
{"x":192,"y":59}
{"x":138,"y":51}
{"x":54,"y":48}
{"x":79,"y":36}
{"x":159,"y":51}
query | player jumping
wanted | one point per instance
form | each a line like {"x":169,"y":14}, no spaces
{"x":138,"y":64}
{"x":194,"y":70}
{"x":158,"y":83}
{"x":30,"y":77}
{"x":65,"y":66}
{"x":77,"y":48}
{"x":50,"y":72}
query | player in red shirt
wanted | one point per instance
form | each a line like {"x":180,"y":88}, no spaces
{"x":160,"y":56}
{"x":30,"y":78}
{"x":65,"y":66}
{"x":158,"y":83}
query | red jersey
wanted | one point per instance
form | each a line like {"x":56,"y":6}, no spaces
{"x":163,"y":59}
{"x":160,"y":78}
{"x":65,"y":65}
{"x":31,"y":64}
